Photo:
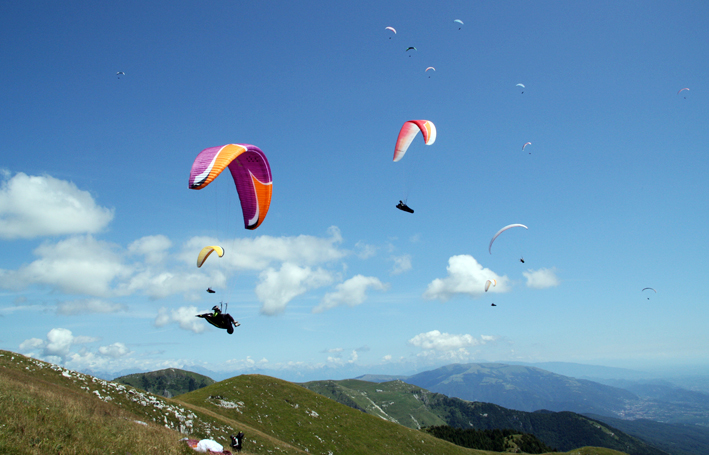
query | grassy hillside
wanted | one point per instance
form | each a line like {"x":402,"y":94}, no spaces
{"x":49,"y":409}
{"x":415,"y":407}
{"x":167,"y":383}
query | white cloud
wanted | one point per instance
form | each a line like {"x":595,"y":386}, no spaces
{"x":184,"y":316}
{"x":84,"y":266}
{"x":84,"y":306}
{"x":465,"y":276}
{"x":542,"y":278}
{"x":439,"y":346}
{"x":365,"y":251}
{"x":33,"y":206}
{"x":153,"y":247}
{"x":77,"y":265}
{"x":261,"y":252}
{"x":57,"y":346}
{"x":401,"y":264}
{"x":443,"y":341}
{"x":351,"y":293}
{"x":339,"y":361}
{"x":114,"y":350}
{"x":278,"y":287}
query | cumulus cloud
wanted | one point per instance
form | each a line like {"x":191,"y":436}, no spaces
{"x":261,"y":252}
{"x":542,"y":278}
{"x":153,"y":247}
{"x":465,"y":276}
{"x":443,"y":341}
{"x":364,"y":250}
{"x":77,"y":265}
{"x":183,"y":316}
{"x":57,"y":346}
{"x":401,"y":264}
{"x":114,"y":350}
{"x":339,"y":361}
{"x":351,"y":293}
{"x":84,"y":306}
{"x":278,"y":287}
{"x":439,"y":346}
{"x":34,"y":206}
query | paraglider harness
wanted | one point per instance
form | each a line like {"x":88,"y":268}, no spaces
{"x":220,"y":319}
{"x":236,"y":441}
{"x":404,"y":207}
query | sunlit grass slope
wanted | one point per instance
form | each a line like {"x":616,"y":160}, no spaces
{"x":312,"y":422}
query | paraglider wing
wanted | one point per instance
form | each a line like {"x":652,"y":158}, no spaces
{"x":251,"y":172}
{"x":430,"y":68}
{"x":206,"y":251}
{"x":391,"y":28}
{"x":408,"y":132}
{"x":525,"y":145}
{"x":490,"y":282}
{"x":458,"y":21}
{"x":682,"y":89}
{"x":410,"y":48}
{"x":644,"y":289}
{"x":489,"y":248}
{"x":520,"y":85}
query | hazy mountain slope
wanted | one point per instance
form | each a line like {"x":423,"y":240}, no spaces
{"x":676,"y":439}
{"x":167,"y":383}
{"x":523,"y":388}
{"x":413,"y":406}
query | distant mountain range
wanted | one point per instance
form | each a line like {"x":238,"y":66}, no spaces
{"x":416,"y":407}
{"x":523,"y":388}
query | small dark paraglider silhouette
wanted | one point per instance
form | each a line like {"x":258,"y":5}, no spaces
{"x":220,"y":320}
{"x":119,"y":73}
{"x":493,"y":304}
{"x":521,"y":260}
{"x":211,"y":291}
{"x":404,"y":207}
{"x":236,"y":441}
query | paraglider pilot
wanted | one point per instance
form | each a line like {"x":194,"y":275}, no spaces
{"x":404,"y":207}
{"x":236,"y":441}
{"x":220,"y":320}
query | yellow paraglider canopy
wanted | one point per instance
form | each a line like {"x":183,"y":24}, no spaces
{"x":206,"y":251}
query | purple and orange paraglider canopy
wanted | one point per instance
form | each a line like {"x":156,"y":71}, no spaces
{"x":251,"y":172}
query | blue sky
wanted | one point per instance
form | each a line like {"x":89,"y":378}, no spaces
{"x":100,"y":232}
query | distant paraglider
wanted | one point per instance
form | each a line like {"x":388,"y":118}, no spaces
{"x":120,"y":73}
{"x":250,"y":170}
{"x":653,"y":290}
{"x":404,"y":207}
{"x":520,"y":85}
{"x":406,"y":135}
{"x":683,"y":89}
{"x":211,"y":291}
{"x":429,"y":68}
{"x":489,"y":283}
{"x":411,"y":48}
{"x":525,"y":146}
{"x":392,"y":29}
{"x":459,"y":22}
{"x":510,"y":226}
